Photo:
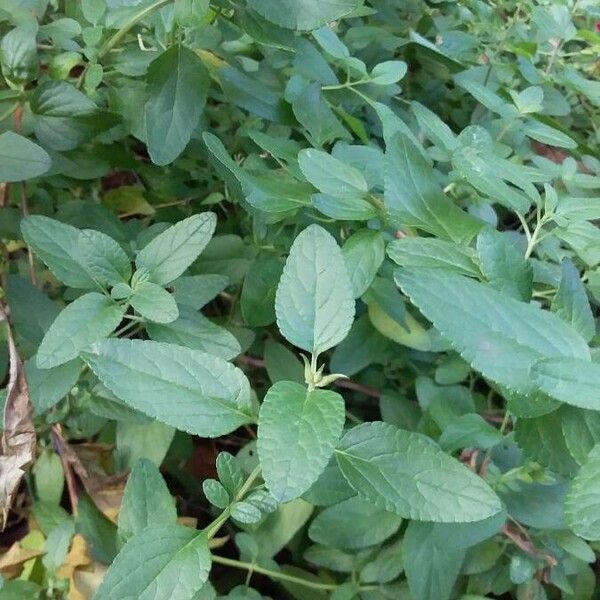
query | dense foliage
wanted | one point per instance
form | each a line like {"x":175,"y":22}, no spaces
{"x":299,"y":299}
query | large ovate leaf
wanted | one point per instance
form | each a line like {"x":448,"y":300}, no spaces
{"x":162,"y":561}
{"x":188,"y":389}
{"x":146,"y":500}
{"x":583,"y":499}
{"x":404,"y":473}
{"x":21,"y":159}
{"x":295,"y":422}
{"x":170,"y":253}
{"x":314,"y":301}
{"x":304,"y":14}
{"x":498,"y":335}
{"x":570,"y":380}
{"x":90,"y":318}
{"x":177,"y":86}
{"x":416,"y":199}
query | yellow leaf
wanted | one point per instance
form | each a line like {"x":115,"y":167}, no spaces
{"x":416,"y":337}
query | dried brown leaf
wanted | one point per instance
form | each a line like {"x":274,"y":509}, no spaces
{"x":18,"y":438}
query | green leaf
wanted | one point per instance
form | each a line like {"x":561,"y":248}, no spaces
{"x":103,"y":258}
{"x":193,"y":330}
{"x":388,"y":72}
{"x":304,"y":14}
{"x":99,"y":532}
{"x":21,"y":159}
{"x":330,"y":175}
{"x":197,"y":290}
{"x":569,"y":380}
{"x":431,"y":564}
{"x":56,"y":244}
{"x":188,"y":389}
{"x":548,"y":135}
{"x":503,"y":265}
{"x":363,"y":254}
{"x":146,"y":500}
{"x":18,"y":56}
{"x":583,"y":499}
{"x":154,"y":303}
{"x":352,"y":524}
{"x":48,"y":386}
{"x":170,"y":253}
{"x":215,"y":493}
{"x":160,"y":560}
{"x":415,"y":198}
{"x":282,"y":364}
{"x":294,"y":421}
{"x":434,"y":128}
{"x":497,"y":335}
{"x":138,"y":437}
{"x":571,"y":303}
{"x":314,"y":301}
{"x":402,"y":472}
{"x":177,"y":83}
{"x":433,"y":253}
{"x":258,"y":292}
{"x":89,"y":319}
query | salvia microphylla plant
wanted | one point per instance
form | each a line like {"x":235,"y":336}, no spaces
{"x":299,"y":299}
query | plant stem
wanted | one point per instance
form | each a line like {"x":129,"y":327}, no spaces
{"x":315,"y":585}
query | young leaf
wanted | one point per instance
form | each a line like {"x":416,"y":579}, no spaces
{"x":103,"y":258}
{"x":402,"y":472}
{"x":146,"y":500}
{"x":388,"y":72}
{"x":497,"y":335}
{"x":154,"y":303}
{"x":188,"y":389}
{"x":293,"y":421}
{"x":170,"y":253}
{"x":503,"y":265}
{"x":314,"y":301}
{"x":83,"y":322}
{"x":571,"y":303}
{"x":160,"y":561}
{"x":21,"y":159}
{"x":177,"y":87}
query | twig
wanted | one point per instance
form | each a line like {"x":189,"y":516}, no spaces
{"x":30,"y":257}
{"x":59,"y":444}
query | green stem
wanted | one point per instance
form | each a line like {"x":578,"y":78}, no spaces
{"x":348,"y":84}
{"x":315,"y":585}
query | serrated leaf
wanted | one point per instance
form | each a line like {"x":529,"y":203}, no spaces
{"x":188,"y":389}
{"x":103,"y":258}
{"x":503,"y":265}
{"x":161,"y":561}
{"x":193,"y":330}
{"x":304,"y":14}
{"x":54,"y":242}
{"x":497,"y":335}
{"x":416,"y":199}
{"x":431,"y":564}
{"x":569,"y":380}
{"x":154,"y":303}
{"x":295,"y":422}
{"x":177,"y":83}
{"x":571,"y":303}
{"x":170,"y":253}
{"x":583,"y":499}
{"x":215,"y":493}
{"x":363,"y":254}
{"x":433,"y":253}
{"x":352,"y":524}
{"x":146,"y":500}
{"x":258,"y":292}
{"x":21,"y":159}
{"x":314,"y":301}
{"x":83,"y":322}
{"x":402,"y":472}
